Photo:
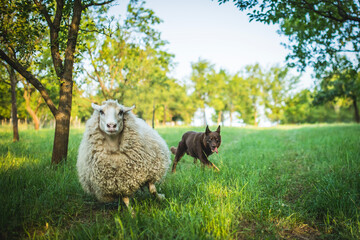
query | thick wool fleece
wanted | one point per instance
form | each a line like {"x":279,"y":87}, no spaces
{"x":139,"y":156}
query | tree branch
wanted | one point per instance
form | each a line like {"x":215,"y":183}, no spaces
{"x":54,"y":27}
{"x":31,"y":79}
{"x":97,"y":4}
{"x":45,"y":13}
{"x":1,"y":78}
{"x":58,"y":13}
{"x":72,"y":40}
{"x":4,"y":81}
{"x":311,"y":7}
{"x":96,"y":31}
{"x":104,"y":89}
{"x":344,"y":14}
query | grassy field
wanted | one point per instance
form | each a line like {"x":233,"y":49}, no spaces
{"x":300,"y":182}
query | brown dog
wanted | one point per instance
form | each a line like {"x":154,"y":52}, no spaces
{"x":198,"y":145}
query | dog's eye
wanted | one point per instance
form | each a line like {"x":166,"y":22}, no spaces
{"x":121,"y":112}
{"x":101,"y":112}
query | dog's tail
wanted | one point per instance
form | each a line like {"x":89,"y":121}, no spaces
{"x":173,"y":150}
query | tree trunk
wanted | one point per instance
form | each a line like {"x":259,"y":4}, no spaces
{"x":63,"y":114}
{"x":255,"y":119}
{"x":231,"y":115}
{"x":62,"y":123}
{"x":356,"y":110}
{"x":61,"y":139}
{"x":204,"y":116}
{"x":219,"y":118}
{"x":31,"y":112}
{"x":33,"y":115}
{"x":13,"y":105}
{"x":164,"y":121}
{"x":153,"y":116}
{"x":222,"y":119}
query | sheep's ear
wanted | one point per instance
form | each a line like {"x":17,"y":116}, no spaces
{"x":95,"y":107}
{"x":127,"y":109}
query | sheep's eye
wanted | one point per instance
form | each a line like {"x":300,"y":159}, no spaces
{"x":101,"y":112}
{"x":121,"y":112}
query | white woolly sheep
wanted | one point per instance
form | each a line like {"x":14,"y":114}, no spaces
{"x":119,"y":154}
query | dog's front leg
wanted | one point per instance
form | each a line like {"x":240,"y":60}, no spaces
{"x":206,"y":162}
{"x":213,"y":165}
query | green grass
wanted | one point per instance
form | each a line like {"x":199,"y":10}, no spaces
{"x":295,"y":182}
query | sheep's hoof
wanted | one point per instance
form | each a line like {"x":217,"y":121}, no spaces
{"x":160,"y":196}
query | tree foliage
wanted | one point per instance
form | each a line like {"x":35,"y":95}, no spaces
{"x":22,"y":26}
{"x":299,"y":109}
{"x":246,"y":93}
{"x":126,"y":59}
{"x":317,"y":30}
{"x":343,"y":81}
{"x":320,"y":33}
{"x":131,"y":65}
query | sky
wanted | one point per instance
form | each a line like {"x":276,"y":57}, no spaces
{"x":221,"y":34}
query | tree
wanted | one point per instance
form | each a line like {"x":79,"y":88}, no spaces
{"x":317,"y":30}
{"x":201,"y":71}
{"x":278,"y":86}
{"x":343,"y":81}
{"x":21,"y":22}
{"x":14,"y":111}
{"x":180,"y":106}
{"x":132,"y":60}
{"x":297,"y":107}
{"x":32,"y":104}
{"x":217,"y":92}
{"x":255,"y":87}
{"x":238,"y":96}
{"x":300,"y":109}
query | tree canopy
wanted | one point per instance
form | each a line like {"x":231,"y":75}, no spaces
{"x":125,"y":58}
{"x":320,"y":33}
{"x":23,"y":24}
{"x":317,"y":30}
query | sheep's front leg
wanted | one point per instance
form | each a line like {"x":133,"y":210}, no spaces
{"x":153,"y":191}
{"x":126,"y":200}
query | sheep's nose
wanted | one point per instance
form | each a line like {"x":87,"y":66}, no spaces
{"x":111,"y":125}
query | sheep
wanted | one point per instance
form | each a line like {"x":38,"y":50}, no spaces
{"x":119,"y":154}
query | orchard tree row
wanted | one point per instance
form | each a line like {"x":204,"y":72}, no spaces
{"x":59,"y":56}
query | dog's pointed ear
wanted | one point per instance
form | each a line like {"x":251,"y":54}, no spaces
{"x":218,"y":129}
{"x":207,"y":130}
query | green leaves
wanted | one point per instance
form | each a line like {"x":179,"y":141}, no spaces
{"x":317,"y":30}
{"x":246,"y":92}
{"x":342,"y":82}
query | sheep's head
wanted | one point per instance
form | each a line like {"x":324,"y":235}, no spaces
{"x":111,"y":116}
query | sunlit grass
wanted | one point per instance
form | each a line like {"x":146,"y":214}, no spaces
{"x":292,"y":182}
